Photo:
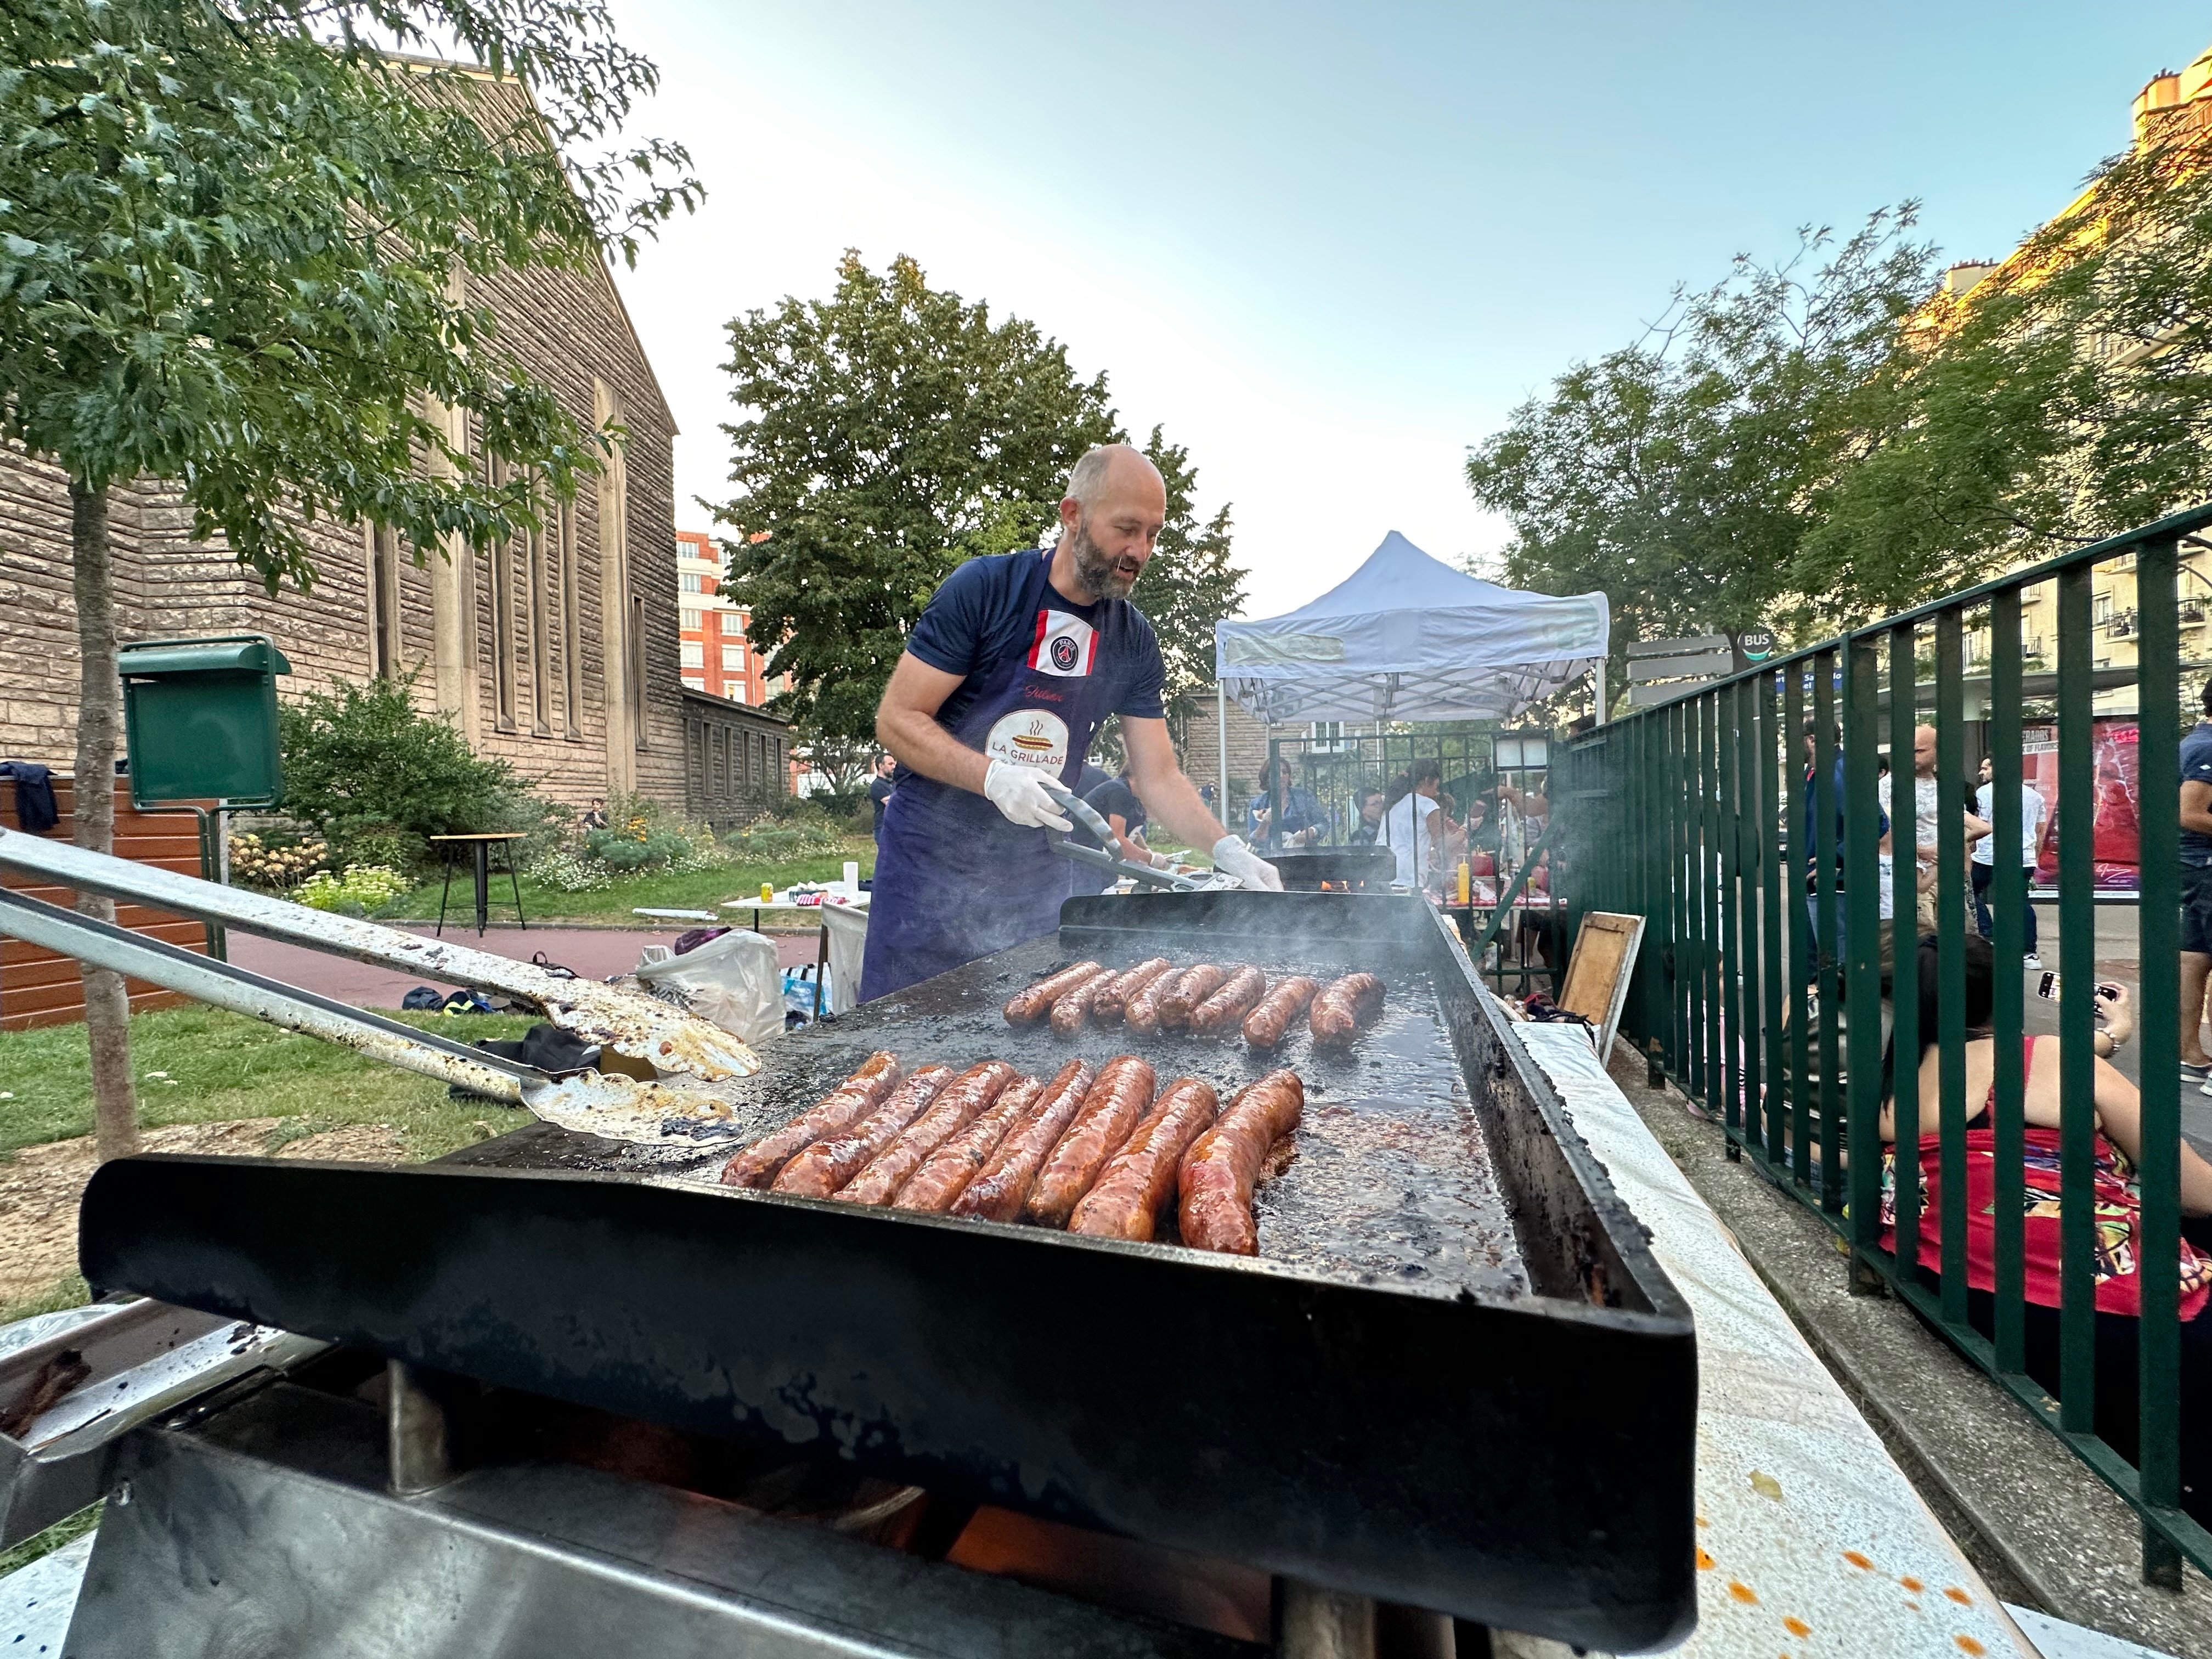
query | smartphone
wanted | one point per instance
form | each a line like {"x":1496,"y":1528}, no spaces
{"x":2105,"y":989}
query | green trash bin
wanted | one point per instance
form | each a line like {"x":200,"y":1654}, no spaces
{"x":199,"y":719}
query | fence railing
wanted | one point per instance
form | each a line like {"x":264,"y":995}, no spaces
{"x":1797,"y":901}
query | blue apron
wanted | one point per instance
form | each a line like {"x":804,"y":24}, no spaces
{"x":954,"y":880}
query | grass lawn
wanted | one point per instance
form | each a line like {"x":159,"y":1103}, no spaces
{"x":200,"y":1065}
{"x":691,"y":890}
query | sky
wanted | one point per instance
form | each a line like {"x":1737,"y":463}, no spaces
{"x":1329,"y":247}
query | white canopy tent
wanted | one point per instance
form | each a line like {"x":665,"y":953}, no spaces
{"x":1406,"y":637}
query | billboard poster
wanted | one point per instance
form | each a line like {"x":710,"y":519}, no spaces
{"x":2114,"y":847}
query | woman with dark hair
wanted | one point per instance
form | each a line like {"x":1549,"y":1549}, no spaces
{"x":2117,"y":1205}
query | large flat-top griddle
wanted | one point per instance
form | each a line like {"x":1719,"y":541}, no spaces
{"x":1454,"y":1377}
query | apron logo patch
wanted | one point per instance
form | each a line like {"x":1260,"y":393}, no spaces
{"x":1065,"y":645}
{"x":1030,"y":737}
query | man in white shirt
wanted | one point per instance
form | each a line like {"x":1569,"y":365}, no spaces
{"x":2033,"y":812}
{"x":1928,"y":793}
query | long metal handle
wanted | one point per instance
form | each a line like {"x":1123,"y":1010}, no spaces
{"x":1089,"y":818}
{"x":243,"y":991}
{"x":640,"y":1027}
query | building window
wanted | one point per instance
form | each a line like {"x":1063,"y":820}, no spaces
{"x":2101,"y":611}
{"x":689,"y":618}
{"x":635,"y":641}
{"x":733,"y":659}
{"x":384,"y":601}
{"x":695,"y":683}
{"x":536,"y":565}
{"x":688,"y":582}
{"x":572,"y":630}
{"x":502,"y":618}
{"x":694,"y":654}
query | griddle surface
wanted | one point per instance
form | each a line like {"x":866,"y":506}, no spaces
{"x":1392,"y":1179}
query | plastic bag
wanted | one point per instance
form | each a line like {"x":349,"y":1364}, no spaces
{"x":732,"y":981}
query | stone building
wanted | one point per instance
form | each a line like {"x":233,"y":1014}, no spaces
{"x":557,"y":652}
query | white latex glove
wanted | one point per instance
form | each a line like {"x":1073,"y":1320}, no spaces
{"x":1239,"y":860}
{"x":1019,"y":793}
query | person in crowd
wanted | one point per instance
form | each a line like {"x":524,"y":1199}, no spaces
{"x":1413,"y":825}
{"x":595,"y":815}
{"x":1928,"y":792}
{"x":1807,"y":852}
{"x":2117,"y":1264}
{"x":1303,"y":823}
{"x":1369,"y":825}
{"x":2033,"y":810}
{"x":880,"y":787}
{"x":1116,"y":800}
{"x":2195,"y":891}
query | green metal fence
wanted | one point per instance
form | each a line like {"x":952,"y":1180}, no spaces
{"x":1768,"y":973}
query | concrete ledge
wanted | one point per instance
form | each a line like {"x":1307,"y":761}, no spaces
{"x":2042,"y":1528}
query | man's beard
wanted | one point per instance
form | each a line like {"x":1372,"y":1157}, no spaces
{"x":1098,"y":574}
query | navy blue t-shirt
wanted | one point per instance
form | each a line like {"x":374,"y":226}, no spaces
{"x":976,"y":620}
{"x":2196,"y":768}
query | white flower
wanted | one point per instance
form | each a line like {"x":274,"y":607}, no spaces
{"x":7,"y":1094}
{"x":157,"y":1074}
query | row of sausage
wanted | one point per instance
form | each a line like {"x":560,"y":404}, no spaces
{"x":1208,"y":999}
{"x":1100,"y":1151}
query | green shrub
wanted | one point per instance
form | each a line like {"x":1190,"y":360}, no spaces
{"x":377,"y":777}
{"x":274,"y":862}
{"x":363,"y":888}
{"x":641,"y":835}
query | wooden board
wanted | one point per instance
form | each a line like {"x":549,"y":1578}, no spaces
{"x":37,"y":986}
{"x":1598,"y":973}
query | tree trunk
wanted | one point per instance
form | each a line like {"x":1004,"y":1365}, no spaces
{"x":99,"y":720}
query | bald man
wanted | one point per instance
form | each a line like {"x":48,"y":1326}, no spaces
{"x":1013,"y":666}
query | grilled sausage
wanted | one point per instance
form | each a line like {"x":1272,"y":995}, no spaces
{"x":1073,"y":1008}
{"x":1192,"y":987}
{"x":1223,"y":1010}
{"x":946,"y":1172}
{"x":1219,"y":1170}
{"x":1027,"y":1007}
{"x":998,"y":1193}
{"x":1112,"y":999}
{"x":857,"y":1095}
{"x":1140,"y":1179}
{"x":1265,"y":1025}
{"x":952,"y":1111}
{"x":1141,"y":1013}
{"x":820,"y":1170}
{"x":1339,"y":1011}
{"x":1115,"y":1104}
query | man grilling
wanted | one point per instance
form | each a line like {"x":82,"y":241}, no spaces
{"x":1008,"y":674}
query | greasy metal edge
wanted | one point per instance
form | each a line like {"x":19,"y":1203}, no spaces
{"x":1352,"y":1435}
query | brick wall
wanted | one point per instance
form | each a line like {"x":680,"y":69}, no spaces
{"x":1198,"y":731}
{"x":38,"y":987}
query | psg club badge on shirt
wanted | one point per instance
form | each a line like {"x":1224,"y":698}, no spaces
{"x":1066,"y":645}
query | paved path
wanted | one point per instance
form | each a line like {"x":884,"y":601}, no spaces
{"x":593,"y":953}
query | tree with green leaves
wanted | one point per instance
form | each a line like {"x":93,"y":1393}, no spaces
{"x":1680,"y":474}
{"x":891,"y":432}
{"x":2064,"y":397}
{"x":235,"y":237}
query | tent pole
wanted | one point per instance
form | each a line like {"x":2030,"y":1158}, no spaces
{"x":1599,"y":670}
{"x":1221,"y":716}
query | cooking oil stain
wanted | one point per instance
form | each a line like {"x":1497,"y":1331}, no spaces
{"x":1796,"y":1626}
{"x":1960,"y":1596}
{"x":1858,"y":1560}
{"x":1743,"y":1593}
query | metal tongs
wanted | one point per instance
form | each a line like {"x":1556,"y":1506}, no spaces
{"x":1213,"y":881}
{"x":637,"y":1026}
{"x":618,"y":1107}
